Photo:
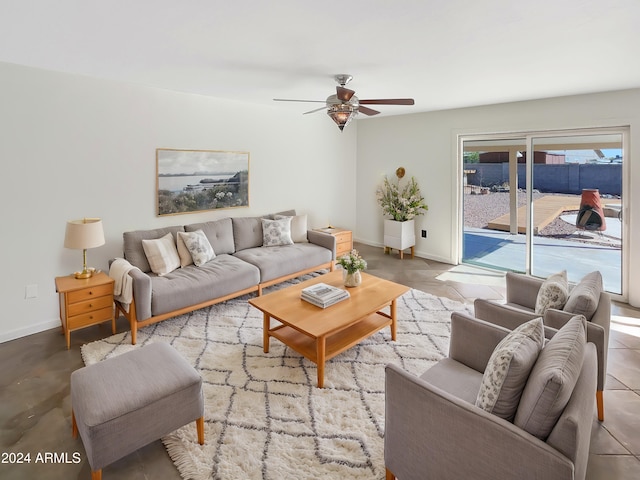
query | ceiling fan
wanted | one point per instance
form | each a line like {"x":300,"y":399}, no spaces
{"x":344,"y":105}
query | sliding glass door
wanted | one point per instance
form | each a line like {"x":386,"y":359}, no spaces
{"x":541,"y":203}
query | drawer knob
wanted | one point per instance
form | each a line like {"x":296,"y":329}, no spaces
{"x":91,"y":305}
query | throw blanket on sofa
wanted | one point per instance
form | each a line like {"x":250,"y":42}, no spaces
{"x":123,"y":286}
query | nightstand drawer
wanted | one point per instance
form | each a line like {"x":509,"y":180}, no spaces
{"x":343,"y":237}
{"x":91,"y":318}
{"x":90,"y":305}
{"x":89,"y":293}
{"x":342,"y":249}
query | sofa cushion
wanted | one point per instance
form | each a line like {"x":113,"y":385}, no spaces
{"x":218,"y":232}
{"x":298,"y":227}
{"x":552,"y":379}
{"x":247,"y":232}
{"x":553,"y":293}
{"x":584,"y":297}
{"x":275,"y":262}
{"x":133,"y":251}
{"x":455,"y":378}
{"x":192,"y":285}
{"x":508,"y":369}
{"x":198,"y":246}
{"x":276,"y":232}
{"x":162,"y":254}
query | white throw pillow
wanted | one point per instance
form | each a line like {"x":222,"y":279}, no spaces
{"x":198,"y":246}
{"x":276,"y":232}
{"x":508,"y":369}
{"x":162,"y":254}
{"x":298,"y":227}
{"x":553,"y":293}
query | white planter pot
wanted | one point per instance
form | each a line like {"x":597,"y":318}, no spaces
{"x":399,"y":235}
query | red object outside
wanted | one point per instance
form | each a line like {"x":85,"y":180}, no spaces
{"x":591,"y":214}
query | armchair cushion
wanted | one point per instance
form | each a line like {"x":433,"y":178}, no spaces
{"x":552,"y":379}
{"x":508,"y":369}
{"x":553,"y":293}
{"x":584,"y":297}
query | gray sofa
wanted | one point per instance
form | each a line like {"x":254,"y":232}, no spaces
{"x":241,"y":266}
{"x":433,"y":428}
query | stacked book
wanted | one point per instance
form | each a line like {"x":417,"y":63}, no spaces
{"x":323,"y":295}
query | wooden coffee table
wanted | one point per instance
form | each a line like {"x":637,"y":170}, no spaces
{"x":320,"y":334}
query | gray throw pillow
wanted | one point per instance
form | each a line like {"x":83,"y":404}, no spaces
{"x":584,"y":298}
{"x":553,"y":293}
{"x":508,"y":369}
{"x":552,"y":379}
{"x":276,"y":232}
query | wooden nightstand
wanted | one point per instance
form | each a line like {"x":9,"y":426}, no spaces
{"x":85,"y":302}
{"x":344,"y":239}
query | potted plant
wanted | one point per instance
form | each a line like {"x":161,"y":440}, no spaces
{"x":352,"y":264}
{"x":402,"y":204}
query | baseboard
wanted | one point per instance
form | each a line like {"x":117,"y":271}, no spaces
{"x":30,"y":330}
{"x":418,"y":253}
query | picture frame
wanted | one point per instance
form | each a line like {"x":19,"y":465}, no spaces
{"x":190,"y":181}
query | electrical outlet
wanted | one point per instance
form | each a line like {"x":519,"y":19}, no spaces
{"x":424,"y":234}
{"x":31,"y":291}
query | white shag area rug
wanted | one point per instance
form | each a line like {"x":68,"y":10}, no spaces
{"x":264,"y":416}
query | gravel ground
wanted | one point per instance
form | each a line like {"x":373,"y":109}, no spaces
{"x":479,"y":210}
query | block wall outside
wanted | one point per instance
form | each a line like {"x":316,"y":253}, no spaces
{"x":568,"y":178}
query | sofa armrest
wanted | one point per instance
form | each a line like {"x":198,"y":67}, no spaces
{"x":473,"y":340}
{"x":141,"y":293}
{"x":432,"y":434}
{"x":324,"y":240}
{"x":522,"y":289}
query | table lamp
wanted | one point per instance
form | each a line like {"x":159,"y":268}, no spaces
{"x":83,"y":234}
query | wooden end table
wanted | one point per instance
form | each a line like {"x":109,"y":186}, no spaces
{"x":320,"y":334}
{"x":85,"y":302}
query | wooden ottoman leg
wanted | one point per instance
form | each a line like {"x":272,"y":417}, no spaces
{"x":74,"y":425}
{"x":600,"y":404}
{"x":200,"y":429}
{"x":97,"y":475}
{"x":389,"y":475}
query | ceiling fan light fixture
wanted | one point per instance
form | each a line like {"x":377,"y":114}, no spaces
{"x":342,"y":114}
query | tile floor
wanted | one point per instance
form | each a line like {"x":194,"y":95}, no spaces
{"x":35,"y":406}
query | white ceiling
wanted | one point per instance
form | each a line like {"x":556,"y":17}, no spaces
{"x":443,"y":53}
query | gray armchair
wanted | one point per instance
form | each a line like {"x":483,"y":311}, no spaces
{"x":434,"y":430}
{"x":522,"y":291}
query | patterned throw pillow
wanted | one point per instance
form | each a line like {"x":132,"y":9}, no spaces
{"x":276,"y":232}
{"x":162,"y":254}
{"x":198,"y":245}
{"x":508,"y":368}
{"x":298,"y":227}
{"x":553,"y":293}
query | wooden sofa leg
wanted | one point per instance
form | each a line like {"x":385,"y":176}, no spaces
{"x":200,"y":429}
{"x":600,"y":404}
{"x":74,"y":425}
{"x":96,"y":475}
{"x":134,"y":332}
{"x":390,"y":475}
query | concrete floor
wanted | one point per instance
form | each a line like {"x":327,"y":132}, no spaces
{"x":35,"y":403}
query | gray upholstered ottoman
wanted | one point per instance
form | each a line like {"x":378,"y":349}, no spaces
{"x":128,"y":401}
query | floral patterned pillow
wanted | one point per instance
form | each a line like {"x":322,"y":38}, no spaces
{"x":508,"y":369}
{"x":198,"y":245}
{"x":276,"y":232}
{"x":553,"y":293}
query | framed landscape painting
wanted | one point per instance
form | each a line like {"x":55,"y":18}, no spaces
{"x":189,"y":181}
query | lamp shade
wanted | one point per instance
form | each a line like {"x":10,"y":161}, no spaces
{"x":84,"y":233}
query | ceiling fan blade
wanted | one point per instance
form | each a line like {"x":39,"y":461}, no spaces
{"x":316,"y":110}
{"x":388,"y":101}
{"x":367,"y":111}
{"x":344,"y":94}
{"x":289,"y":100}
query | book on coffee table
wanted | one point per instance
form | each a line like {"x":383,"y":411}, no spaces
{"x":323,"y":295}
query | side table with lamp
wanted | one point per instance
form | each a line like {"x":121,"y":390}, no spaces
{"x":86,"y":297}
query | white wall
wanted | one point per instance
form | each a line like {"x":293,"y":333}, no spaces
{"x":73,"y":146}
{"x":425,"y":144}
